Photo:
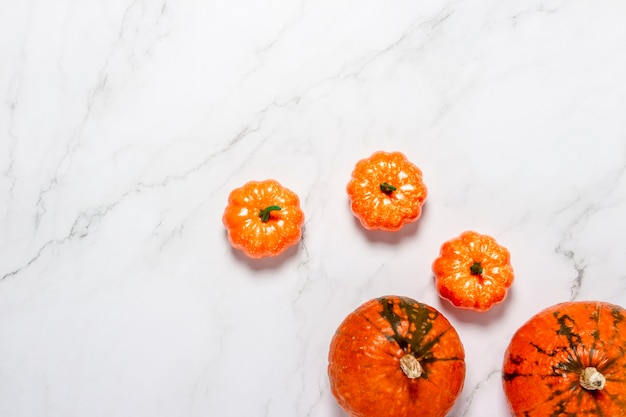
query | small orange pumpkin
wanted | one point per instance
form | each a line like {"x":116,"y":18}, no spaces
{"x":395,"y":357}
{"x":263,"y":218}
{"x":568,"y":360}
{"x":386,"y":191}
{"x":473,"y":271}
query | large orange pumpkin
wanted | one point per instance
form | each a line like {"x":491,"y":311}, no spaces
{"x":568,"y":360}
{"x":396,"y":357}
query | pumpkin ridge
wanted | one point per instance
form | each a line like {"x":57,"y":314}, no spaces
{"x":374,"y":324}
{"x":551,"y":354}
{"x":618,"y":317}
{"x":595,"y":317}
{"x":411,"y":343}
{"x":558,"y":412}
{"x":573,"y":338}
{"x":615,"y":397}
{"x":424,"y":360}
{"x":607,"y":365}
{"x":435,"y":339}
{"x":382,"y":330}
{"x":598,"y":407}
{"x":434,"y":359}
{"x":510,"y":376}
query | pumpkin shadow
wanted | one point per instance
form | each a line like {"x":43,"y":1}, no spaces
{"x":267,"y":263}
{"x":392,"y":238}
{"x":495,"y":313}
{"x":336,"y":410}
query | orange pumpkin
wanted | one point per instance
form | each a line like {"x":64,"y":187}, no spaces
{"x":395,"y":357}
{"x":386,"y":191}
{"x":568,"y":360}
{"x":473,"y":271}
{"x":263,"y":218}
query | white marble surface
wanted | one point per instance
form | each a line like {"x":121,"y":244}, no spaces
{"x":125,"y":124}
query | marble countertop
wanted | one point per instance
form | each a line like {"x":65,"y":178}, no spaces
{"x":124,"y":125}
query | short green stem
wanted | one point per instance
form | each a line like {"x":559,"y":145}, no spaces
{"x":264,"y":214}
{"x":387,"y":188}
{"x":476,"y":269}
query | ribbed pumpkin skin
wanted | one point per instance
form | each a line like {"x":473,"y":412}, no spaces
{"x":458,"y":284}
{"x":377,"y":210}
{"x":248,"y":232}
{"x":364,"y":371}
{"x":543,"y":362}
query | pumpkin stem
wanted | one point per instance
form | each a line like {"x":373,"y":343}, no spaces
{"x":476,"y":269}
{"x":591,"y":379}
{"x":387,"y":188}
{"x":410,"y":366}
{"x":264,"y":214}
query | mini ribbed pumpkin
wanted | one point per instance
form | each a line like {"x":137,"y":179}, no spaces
{"x":386,"y":191}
